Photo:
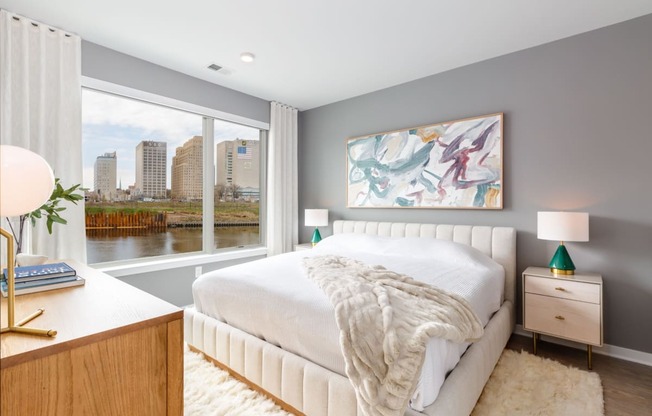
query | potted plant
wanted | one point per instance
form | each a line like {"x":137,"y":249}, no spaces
{"x":50,"y":210}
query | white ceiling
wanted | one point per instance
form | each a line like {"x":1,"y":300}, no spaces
{"x":310,"y":53}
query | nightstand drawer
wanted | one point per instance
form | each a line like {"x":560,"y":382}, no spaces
{"x":578,"y":321}
{"x":562,"y":288}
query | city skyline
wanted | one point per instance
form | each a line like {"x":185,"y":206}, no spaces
{"x":236,"y":162}
{"x":115,"y":124}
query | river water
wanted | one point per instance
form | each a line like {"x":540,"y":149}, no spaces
{"x":127,"y":244}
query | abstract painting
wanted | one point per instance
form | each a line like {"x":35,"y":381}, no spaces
{"x":456,"y":164}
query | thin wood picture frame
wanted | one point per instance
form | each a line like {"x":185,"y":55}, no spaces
{"x":451,"y":165}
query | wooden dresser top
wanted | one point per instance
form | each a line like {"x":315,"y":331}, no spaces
{"x":103,"y":308}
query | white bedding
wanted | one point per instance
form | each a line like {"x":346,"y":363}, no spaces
{"x":274,"y":300}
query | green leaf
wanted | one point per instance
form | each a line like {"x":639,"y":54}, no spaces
{"x":57,"y":219}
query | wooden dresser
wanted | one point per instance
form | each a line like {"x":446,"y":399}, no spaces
{"x":118,"y":351}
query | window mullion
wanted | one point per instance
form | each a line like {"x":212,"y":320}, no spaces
{"x":262,"y":186}
{"x":208,"y":220}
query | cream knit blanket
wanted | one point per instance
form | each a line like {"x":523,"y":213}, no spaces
{"x":385,"y":320}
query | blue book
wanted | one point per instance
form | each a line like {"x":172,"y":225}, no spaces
{"x":40,"y":282}
{"x":42,"y":285}
{"x":41,"y":271}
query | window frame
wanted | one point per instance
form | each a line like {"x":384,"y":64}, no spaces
{"x":209,"y":253}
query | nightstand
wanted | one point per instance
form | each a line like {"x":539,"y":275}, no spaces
{"x":300,"y":247}
{"x":568,"y":307}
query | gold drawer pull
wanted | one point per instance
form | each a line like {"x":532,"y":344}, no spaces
{"x":561,"y":289}
{"x":561,"y":318}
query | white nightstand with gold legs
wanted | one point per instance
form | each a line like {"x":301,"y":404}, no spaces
{"x":568,"y":307}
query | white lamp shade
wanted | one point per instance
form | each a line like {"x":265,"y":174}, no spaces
{"x":316,"y":218}
{"x":563,"y":226}
{"x":26,"y":181}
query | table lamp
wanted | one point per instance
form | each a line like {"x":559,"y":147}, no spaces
{"x":316,"y":218}
{"x":26,"y":183}
{"x":562,"y":226}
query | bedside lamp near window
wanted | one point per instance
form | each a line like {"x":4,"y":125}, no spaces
{"x":562,"y":226}
{"x":316,"y":218}
{"x":26,"y":183}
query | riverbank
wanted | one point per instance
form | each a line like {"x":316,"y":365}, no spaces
{"x":180,"y":213}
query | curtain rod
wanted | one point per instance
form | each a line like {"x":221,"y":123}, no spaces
{"x":35,"y":24}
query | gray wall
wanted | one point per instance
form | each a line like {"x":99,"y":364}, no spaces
{"x":108,"y":65}
{"x":173,"y":285}
{"x":577,"y":137}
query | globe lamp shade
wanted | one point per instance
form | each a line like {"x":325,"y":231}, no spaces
{"x":26,"y":181}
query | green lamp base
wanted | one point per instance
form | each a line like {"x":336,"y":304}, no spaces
{"x":561,"y":262}
{"x":316,"y":237}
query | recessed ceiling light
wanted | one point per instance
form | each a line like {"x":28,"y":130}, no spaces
{"x":247,"y":57}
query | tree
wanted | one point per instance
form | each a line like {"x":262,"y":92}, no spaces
{"x":235,"y":191}
{"x":220,"y":192}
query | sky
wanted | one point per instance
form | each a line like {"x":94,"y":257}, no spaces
{"x":115,"y":124}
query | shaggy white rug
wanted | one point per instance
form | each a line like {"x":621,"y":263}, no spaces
{"x":210,"y":391}
{"x":521,"y":385}
{"x":524,"y":384}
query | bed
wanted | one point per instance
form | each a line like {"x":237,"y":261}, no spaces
{"x":315,"y":389}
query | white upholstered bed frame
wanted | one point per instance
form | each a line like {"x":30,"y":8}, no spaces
{"x":315,"y":391}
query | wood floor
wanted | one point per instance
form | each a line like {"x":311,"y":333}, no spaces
{"x":627,"y":386}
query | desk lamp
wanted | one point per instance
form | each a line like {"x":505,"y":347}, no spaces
{"x":562,"y":226}
{"x":316,"y":218}
{"x":26,"y":183}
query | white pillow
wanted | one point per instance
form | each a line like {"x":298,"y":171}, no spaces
{"x":431,"y":248}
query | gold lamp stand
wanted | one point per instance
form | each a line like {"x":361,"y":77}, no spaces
{"x":11,"y":298}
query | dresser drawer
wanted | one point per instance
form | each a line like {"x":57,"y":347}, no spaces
{"x":562,"y":288}
{"x":570,"y":319}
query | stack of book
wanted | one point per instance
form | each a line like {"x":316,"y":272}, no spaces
{"x":30,"y":279}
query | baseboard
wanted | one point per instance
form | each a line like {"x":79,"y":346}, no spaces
{"x":610,"y":350}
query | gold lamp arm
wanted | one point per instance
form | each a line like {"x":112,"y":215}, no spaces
{"x":11,"y":277}
{"x":11,"y":298}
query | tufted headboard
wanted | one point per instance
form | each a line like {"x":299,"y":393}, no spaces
{"x":499,"y":243}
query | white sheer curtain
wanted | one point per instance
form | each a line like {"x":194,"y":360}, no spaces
{"x":40,"y":93}
{"x":282,"y":177}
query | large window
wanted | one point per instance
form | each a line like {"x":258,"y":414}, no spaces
{"x":150,"y":180}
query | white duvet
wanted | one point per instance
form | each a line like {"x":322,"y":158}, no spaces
{"x":274,"y":300}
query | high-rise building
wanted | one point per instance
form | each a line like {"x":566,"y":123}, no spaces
{"x":105,"y":176}
{"x":151,"y":169}
{"x":238,"y":163}
{"x":187,"y":170}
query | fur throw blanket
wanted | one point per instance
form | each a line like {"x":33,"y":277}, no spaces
{"x":385,"y":320}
